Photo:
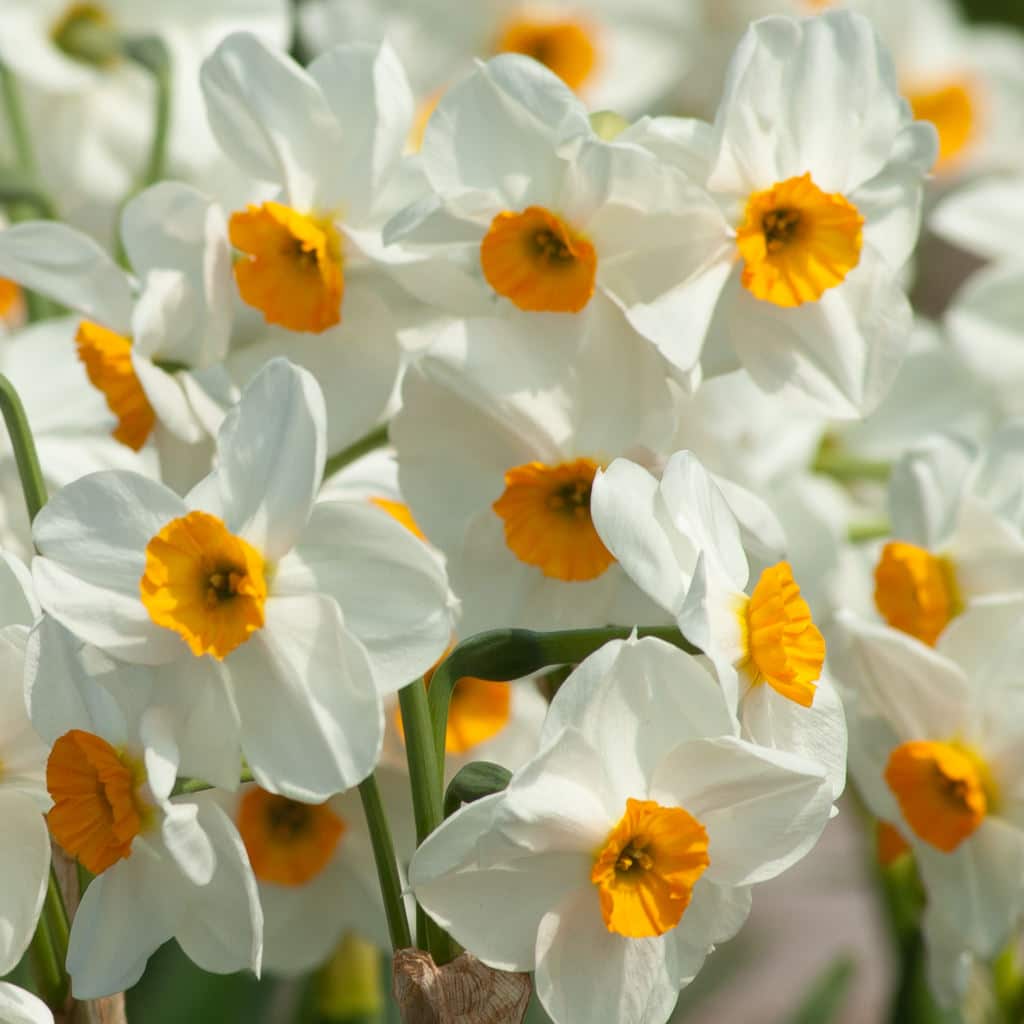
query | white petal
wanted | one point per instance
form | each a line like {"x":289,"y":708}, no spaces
{"x":24,"y":873}
{"x":17,"y":599}
{"x":304,"y":668}
{"x":391,"y":587}
{"x":167,"y":397}
{"x":70,"y":267}
{"x":20,"y":1007}
{"x":252,"y":92}
{"x":763,"y":809}
{"x":979,"y":218}
{"x":271,"y":451}
{"x":92,"y":538}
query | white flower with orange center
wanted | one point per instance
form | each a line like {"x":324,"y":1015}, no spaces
{"x":621,"y":55}
{"x":315,"y":868}
{"x":935,"y":748}
{"x":958,"y":532}
{"x":631,"y":839}
{"x":554,"y":215}
{"x":503,"y":428}
{"x":249,"y":599}
{"x":821,"y":189}
{"x":141,"y":335}
{"x":24,"y":844}
{"x":338,"y":171}
{"x":680,"y":542}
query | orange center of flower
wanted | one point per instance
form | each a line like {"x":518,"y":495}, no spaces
{"x":10,"y":299}
{"x":797,"y":242}
{"x":108,"y":363}
{"x":564,"y":46}
{"x":546,"y":510}
{"x":288,"y":842}
{"x":952,"y":108}
{"x":890,"y":844}
{"x":293,"y":272}
{"x":400,"y":511}
{"x":916,"y":591}
{"x":944,"y":790}
{"x":538,"y":262}
{"x":784,"y":648}
{"x":647,"y":868}
{"x":479,"y":710}
{"x":205,"y":583}
{"x":97,"y":812}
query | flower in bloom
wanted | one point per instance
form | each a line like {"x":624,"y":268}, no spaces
{"x":503,"y":428}
{"x":25,"y":844}
{"x":269,"y":621}
{"x":20,"y":1007}
{"x":617,"y":54}
{"x":631,"y":839}
{"x":935,"y":742}
{"x":165,"y":866}
{"x":315,"y":868}
{"x":957,"y":515}
{"x":142,"y":335}
{"x":679,"y":540}
{"x":820,"y":187}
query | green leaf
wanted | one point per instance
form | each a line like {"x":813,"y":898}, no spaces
{"x":476,"y":780}
{"x":824,"y":1000}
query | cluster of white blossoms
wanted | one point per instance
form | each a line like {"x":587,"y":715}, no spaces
{"x":452,"y":498}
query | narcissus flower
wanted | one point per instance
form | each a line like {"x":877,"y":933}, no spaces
{"x":678,"y":539}
{"x":935,"y":742}
{"x":820,"y":186}
{"x":499,"y":440}
{"x":273,"y":613}
{"x":25,"y":844}
{"x":958,"y":532}
{"x":20,"y":1007}
{"x":140,"y":337}
{"x":631,"y":839}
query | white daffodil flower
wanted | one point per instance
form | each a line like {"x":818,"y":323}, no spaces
{"x":503,"y":427}
{"x":316,"y":871}
{"x":680,"y":542}
{"x":25,"y":843}
{"x":20,"y":1007}
{"x":985,"y":217}
{"x":144,"y":336}
{"x":621,"y":55}
{"x":90,"y":109}
{"x":935,"y":747}
{"x":165,"y":866}
{"x":630,"y":840}
{"x":820,"y":187}
{"x":272,"y":623}
{"x":957,"y":515}
{"x":546,"y":216}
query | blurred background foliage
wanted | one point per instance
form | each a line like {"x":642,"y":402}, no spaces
{"x":996,"y":10}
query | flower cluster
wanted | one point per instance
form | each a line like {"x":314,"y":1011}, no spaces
{"x":484,"y":480}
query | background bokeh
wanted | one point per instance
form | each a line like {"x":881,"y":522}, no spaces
{"x":1001,"y":10}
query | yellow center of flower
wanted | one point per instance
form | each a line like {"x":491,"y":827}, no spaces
{"x":401,"y":512}
{"x":783,"y":646}
{"x":538,"y":262}
{"x":85,"y":32}
{"x":916,"y":591}
{"x":647,"y":868}
{"x":564,"y":46}
{"x":10,"y":299}
{"x":205,"y":583}
{"x":952,"y":107}
{"x":944,"y":790}
{"x":546,"y":510}
{"x":288,"y":842}
{"x":797,"y":242}
{"x":108,"y":363}
{"x":293,"y":270}
{"x":97,"y":812}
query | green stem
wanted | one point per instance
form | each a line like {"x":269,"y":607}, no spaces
{"x":375,"y":439}
{"x":26,"y":201}
{"x":32,"y":484}
{"x":504,"y":654}
{"x":387,"y":863}
{"x":426,"y":780}
{"x":16,"y":121}
{"x":849,"y":468}
{"x":150,"y":53}
{"x":49,"y":948}
{"x":861,"y":533}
